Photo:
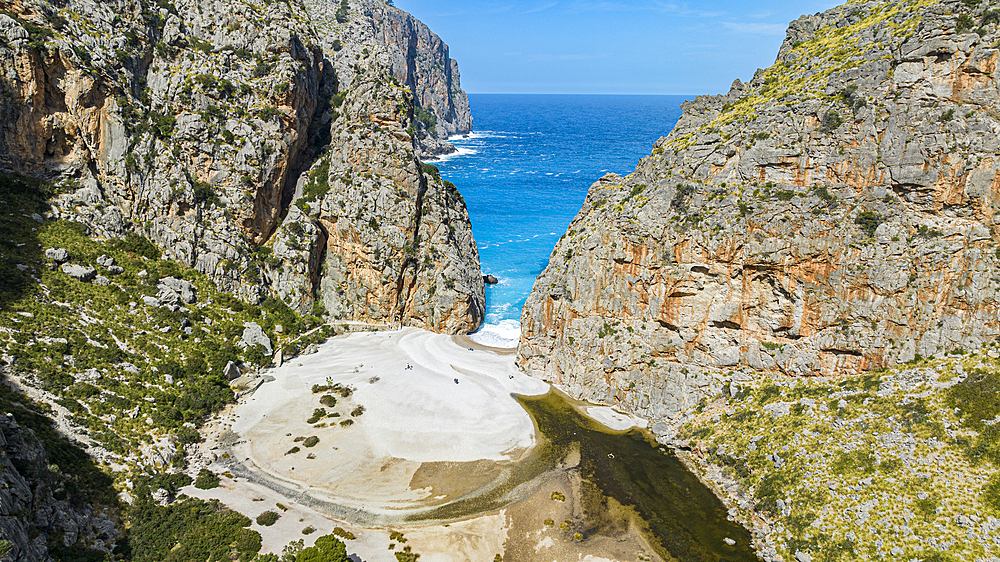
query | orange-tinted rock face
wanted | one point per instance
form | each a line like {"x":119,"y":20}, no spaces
{"x":186,"y":125}
{"x":399,"y":243}
{"x":192,"y":126}
{"x":810,"y":227}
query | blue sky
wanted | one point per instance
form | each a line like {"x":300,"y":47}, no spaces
{"x":609,"y":47}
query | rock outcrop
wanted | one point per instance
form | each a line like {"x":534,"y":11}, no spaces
{"x":399,"y":246}
{"x":191,"y":123}
{"x":184,"y":123}
{"x":835,"y":214}
{"x":44,"y":505}
{"x":411,"y":53}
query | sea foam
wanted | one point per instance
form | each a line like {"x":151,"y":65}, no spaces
{"x":505,"y":333}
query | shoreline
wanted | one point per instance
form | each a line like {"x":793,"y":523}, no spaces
{"x":250,"y":486}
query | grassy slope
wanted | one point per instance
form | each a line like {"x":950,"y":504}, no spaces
{"x":898,"y":459}
{"x":54,"y":329}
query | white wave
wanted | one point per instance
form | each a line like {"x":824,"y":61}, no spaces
{"x":459,"y":151}
{"x":475,"y":135}
{"x":505,"y":333}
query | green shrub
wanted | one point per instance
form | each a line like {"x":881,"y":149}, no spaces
{"x":342,"y":12}
{"x":869,"y":221}
{"x":328,"y":400}
{"x":318,"y":184}
{"x":340,"y":532}
{"x":318,"y":414}
{"x":681,"y":197}
{"x":431,"y":170}
{"x":37,"y":35}
{"x":830,"y":122}
{"x":328,"y":548}
{"x":206,"y":480}
{"x":268,"y":112}
{"x":268,"y":518}
{"x":257,"y":355}
{"x":191,"y":529}
{"x":138,"y":245}
{"x":310,"y":441}
{"x":203,"y":192}
{"x":426,"y":118}
{"x":991,"y":493}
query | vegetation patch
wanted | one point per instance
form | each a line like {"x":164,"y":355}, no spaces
{"x":268,"y":518}
{"x":206,"y":480}
{"x":902,"y":460}
{"x":190,"y":529}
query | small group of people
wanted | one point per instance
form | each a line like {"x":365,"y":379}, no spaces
{"x":408,"y":367}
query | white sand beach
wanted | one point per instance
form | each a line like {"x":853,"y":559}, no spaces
{"x":416,"y":416}
{"x":422,"y":443}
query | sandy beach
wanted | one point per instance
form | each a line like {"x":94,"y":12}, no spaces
{"x":419,"y":423}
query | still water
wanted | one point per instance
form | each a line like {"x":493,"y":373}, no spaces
{"x":625,"y":476}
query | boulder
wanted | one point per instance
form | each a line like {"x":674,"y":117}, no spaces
{"x":186,"y":292}
{"x":231,"y":371}
{"x":490,"y":279}
{"x":253,"y":334}
{"x":79,"y":272}
{"x":59,"y":255}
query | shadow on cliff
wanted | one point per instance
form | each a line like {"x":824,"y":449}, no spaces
{"x":63,"y":482}
{"x":23,"y":201}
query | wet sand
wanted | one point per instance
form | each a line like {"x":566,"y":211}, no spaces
{"x":418,"y":459}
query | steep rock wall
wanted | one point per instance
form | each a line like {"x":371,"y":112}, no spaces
{"x":192,"y":123}
{"x":184,"y":125}
{"x":835,"y":214}
{"x":44,"y":506}
{"x":399,"y":246}
{"x":413,"y":55}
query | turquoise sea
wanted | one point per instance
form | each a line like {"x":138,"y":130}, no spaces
{"x":524,"y":173}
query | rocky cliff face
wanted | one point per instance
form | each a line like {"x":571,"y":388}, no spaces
{"x":191,"y":123}
{"x":46,"y":508}
{"x":411,"y":53}
{"x":398,"y":238}
{"x":185,"y":123}
{"x":835,"y":214}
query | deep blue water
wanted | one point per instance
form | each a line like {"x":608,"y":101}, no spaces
{"x":525,"y":171}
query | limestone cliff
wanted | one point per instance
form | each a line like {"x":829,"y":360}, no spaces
{"x":399,"y":246}
{"x":412,"y":54}
{"x":191,"y":122}
{"x":834,"y":214}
